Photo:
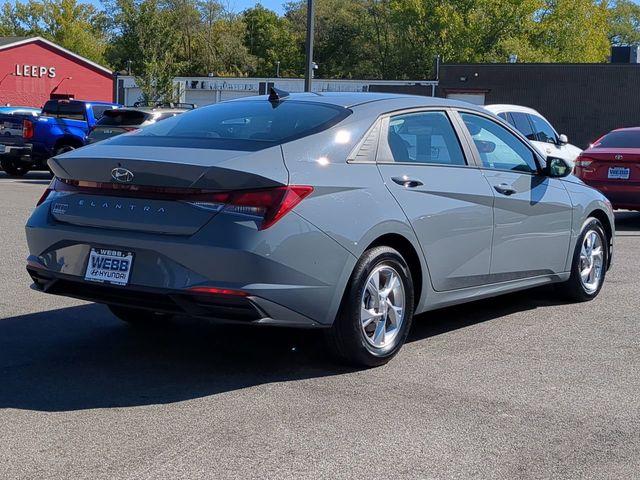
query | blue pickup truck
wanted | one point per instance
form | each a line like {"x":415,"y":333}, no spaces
{"x":63,"y":125}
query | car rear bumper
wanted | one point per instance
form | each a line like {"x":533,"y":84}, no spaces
{"x":219,"y":308}
{"x":621,"y":196}
{"x":293,"y":273}
{"x":20,"y":153}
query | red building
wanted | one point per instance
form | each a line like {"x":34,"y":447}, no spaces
{"x":34,"y":70}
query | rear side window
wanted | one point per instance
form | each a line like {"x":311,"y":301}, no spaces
{"x":425,"y":137}
{"x":67,"y":110}
{"x":243,"y":125}
{"x":115,"y":118}
{"x":98,"y":110}
{"x":523,"y":125}
{"x":620,"y":139}
{"x":544,"y":132}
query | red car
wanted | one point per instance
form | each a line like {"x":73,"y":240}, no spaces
{"x":612,"y":165}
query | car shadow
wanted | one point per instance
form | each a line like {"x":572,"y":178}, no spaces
{"x":627,"y":221}
{"x":82,"y":357}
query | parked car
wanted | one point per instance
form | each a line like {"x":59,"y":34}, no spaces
{"x":12,"y":145}
{"x":127,"y":119}
{"x":612,"y":165}
{"x":538,"y":131}
{"x":347,"y":212}
{"x":62,"y":126}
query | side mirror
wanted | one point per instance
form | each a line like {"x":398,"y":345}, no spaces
{"x":557,"y":168}
{"x":563,"y":140}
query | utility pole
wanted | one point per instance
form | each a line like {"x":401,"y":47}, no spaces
{"x":308,"y":75}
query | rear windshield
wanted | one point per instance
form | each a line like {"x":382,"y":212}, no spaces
{"x":621,"y":139}
{"x":244,"y":125}
{"x":69,"y":110}
{"x":115,"y":118}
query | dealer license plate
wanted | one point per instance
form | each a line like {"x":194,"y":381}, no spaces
{"x":109,"y":266}
{"x":620,"y":173}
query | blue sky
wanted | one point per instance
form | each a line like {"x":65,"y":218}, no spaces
{"x":235,"y":5}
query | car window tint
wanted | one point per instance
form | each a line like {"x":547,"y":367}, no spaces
{"x":98,"y":110}
{"x":247,"y":122}
{"x":114,"y":118}
{"x":426,"y":137}
{"x":619,"y":139}
{"x":67,"y":110}
{"x":543,"y":131}
{"x":499,"y":149}
{"x":523,"y":125}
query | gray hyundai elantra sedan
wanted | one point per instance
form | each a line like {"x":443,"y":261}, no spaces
{"x":346,"y":212}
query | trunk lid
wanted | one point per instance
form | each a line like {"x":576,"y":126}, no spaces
{"x":609,"y":165}
{"x":155,"y":189}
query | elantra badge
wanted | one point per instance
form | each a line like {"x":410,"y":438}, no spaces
{"x":122,"y":175}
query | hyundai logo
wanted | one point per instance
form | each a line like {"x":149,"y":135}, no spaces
{"x":122,"y":175}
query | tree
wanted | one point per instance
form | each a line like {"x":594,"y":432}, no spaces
{"x":79,"y":27}
{"x":624,"y":23}
{"x":271,"y":39}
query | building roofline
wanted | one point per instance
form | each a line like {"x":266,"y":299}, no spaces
{"x":57,"y":47}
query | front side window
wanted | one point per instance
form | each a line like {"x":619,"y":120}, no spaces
{"x":543,"y":131}
{"x":499,"y":149}
{"x":426,"y":137}
{"x":523,"y":125}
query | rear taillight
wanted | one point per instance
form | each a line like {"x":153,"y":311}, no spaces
{"x":27,"y":129}
{"x":582,"y":165}
{"x":45,"y":194}
{"x":217,"y":291}
{"x":269,"y":205}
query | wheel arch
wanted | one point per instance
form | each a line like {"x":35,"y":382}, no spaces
{"x":410,"y":254}
{"x":601,"y":215}
{"x":68,"y":140}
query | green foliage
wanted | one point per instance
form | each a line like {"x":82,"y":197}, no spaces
{"x":78,"y":27}
{"x":624,"y":23}
{"x":158,"y":39}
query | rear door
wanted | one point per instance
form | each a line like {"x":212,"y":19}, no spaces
{"x":533,"y":213}
{"x":447,"y":201}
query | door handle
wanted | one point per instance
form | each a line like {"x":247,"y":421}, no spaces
{"x":407,"y":182}
{"x":505,"y":189}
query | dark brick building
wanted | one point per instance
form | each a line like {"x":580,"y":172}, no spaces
{"x":583,"y":101}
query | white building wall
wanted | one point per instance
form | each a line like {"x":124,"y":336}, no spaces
{"x":206,"y":90}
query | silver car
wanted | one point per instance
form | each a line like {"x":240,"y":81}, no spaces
{"x":345,"y":212}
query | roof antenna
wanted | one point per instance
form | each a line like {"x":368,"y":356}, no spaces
{"x":275,"y":94}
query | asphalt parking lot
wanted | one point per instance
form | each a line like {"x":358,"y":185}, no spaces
{"x":521,"y":386}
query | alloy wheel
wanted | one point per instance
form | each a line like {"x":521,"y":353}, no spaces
{"x":382,"y":306}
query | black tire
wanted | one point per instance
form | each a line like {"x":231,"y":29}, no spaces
{"x":63,"y":149}
{"x":574,"y":289}
{"x":13,"y":169}
{"x":138,"y":317}
{"x":346,"y":338}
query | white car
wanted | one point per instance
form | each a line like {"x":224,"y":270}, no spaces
{"x":538,"y":130}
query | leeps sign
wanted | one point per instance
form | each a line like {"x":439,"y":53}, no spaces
{"x":36,"y":71}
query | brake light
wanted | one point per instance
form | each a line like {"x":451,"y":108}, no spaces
{"x":27,"y":129}
{"x":268,"y":204}
{"x":45,"y":194}
{"x":217,"y":291}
